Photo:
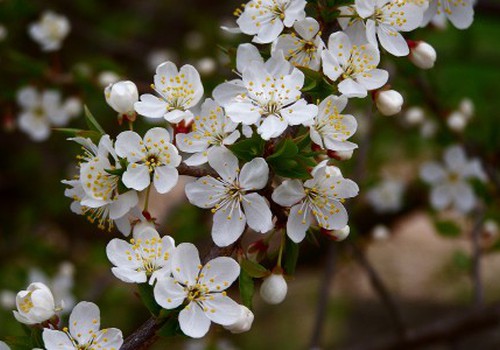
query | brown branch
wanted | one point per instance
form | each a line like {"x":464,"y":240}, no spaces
{"x":144,"y":336}
{"x":184,"y":169}
{"x":450,"y":328}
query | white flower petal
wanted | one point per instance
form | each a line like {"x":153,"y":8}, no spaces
{"x":136,"y":177}
{"x":168,"y":293}
{"x":228,"y":226}
{"x":165,"y":178}
{"x":254,"y":174}
{"x":186,"y":263}
{"x":298,"y":223}
{"x":224,"y":162}
{"x":222,"y":309}
{"x":219,"y":273}
{"x":84,"y":320}
{"x":193,"y":321}
{"x":290,"y":192}
{"x":258,"y":213}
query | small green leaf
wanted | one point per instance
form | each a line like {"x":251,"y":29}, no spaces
{"x":286,"y":149}
{"x":248,"y":149}
{"x":291,"y":256}
{"x":93,"y":135}
{"x":92,"y":122}
{"x":254,"y":269}
{"x":447,"y":228}
{"x":147,"y":297}
{"x":247,"y":288}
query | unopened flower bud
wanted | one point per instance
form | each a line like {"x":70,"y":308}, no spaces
{"x":414,"y":115}
{"x":490,"y":228}
{"x":206,"y":66}
{"x":244,"y":322}
{"x":457,"y":121}
{"x":389,"y":102}
{"x":467,"y":108}
{"x":121,"y":96}
{"x":35,"y":305}
{"x":338,"y":235}
{"x":380,"y":232}
{"x":4,"y":346}
{"x":274,"y":288}
{"x":422,"y":55}
{"x":341,"y":155}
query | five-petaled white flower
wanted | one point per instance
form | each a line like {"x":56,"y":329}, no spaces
{"x":331,"y":129}
{"x":40,"y":111}
{"x":387,"y":196}
{"x":96,"y":191}
{"x":268,"y":95}
{"x":266,"y":19}
{"x":354,"y":65}
{"x":178,"y":91}
{"x":201,"y":288}
{"x":83,"y":332}
{"x":320,"y":197}
{"x":450,"y":183}
{"x":459,"y":12}
{"x":386,"y":18}
{"x":302,"y":48}
{"x":211,"y":128}
{"x":50,"y":31}
{"x":35,"y":304}
{"x":146,"y":257}
{"x":229,"y":192}
{"x":154,"y":155}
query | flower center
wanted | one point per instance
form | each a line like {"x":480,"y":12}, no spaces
{"x":26,"y":304}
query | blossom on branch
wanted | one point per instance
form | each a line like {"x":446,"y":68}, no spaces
{"x":201,"y":289}
{"x":146,"y":257}
{"x":319,"y":198}
{"x":211,"y":128}
{"x":154,"y":156}
{"x":232,"y":196}
{"x":50,"y":31}
{"x":178,"y":91}
{"x":83,"y":332}
{"x":35,"y":304}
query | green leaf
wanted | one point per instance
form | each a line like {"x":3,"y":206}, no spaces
{"x":447,"y":228}
{"x":286,"y":149}
{"x":247,"y":288}
{"x":92,"y":122}
{"x":20,"y":343}
{"x":93,"y":135}
{"x":291,"y":256}
{"x":147,"y":297}
{"x":248,"y":149}
{"x":254,"y":269}
{"x":170,"y":328}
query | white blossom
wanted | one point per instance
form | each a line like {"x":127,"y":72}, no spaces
{"x":450,"y":186}
{"x":385,"y":19}
{"x":154,"y":156}
{"x":211,"y":128}
{"x":232,"y":196}
{"x":354,"y":65}
{"x":41,"y":111}
{"x":414,"y":115}
{"x":274,"y":289}
{"x":35,"y":304}
{"x":95,"y":191}
{"x":304,"y":46}
{"x":121,"y":96}
{"x":146,"y":258}
{"x":320,"y":198}
{"x":388,"y":102}
{"x":50,"y":31}
{"x":268,"y":95}
{"x":177,"y":90}
{"x":201,"y":289}
{"x":330,"y":129}
{"x":4,"y":346}
{"x":266,"y":19}
{"x":460,"y":13}
{"x":386,"y":196}
{"x":84,"y":332}
{"x":456,"y":121}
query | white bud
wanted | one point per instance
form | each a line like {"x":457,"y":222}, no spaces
{"x":380,"y":232}
{"x":467,"y":108}
{"x":35,"y":305}
{"x":206,"y":66}
{"x":331,"y":170}
{"x":490,"y":228}
{"x":423,"y":55}
{"x":389,"y":102}
{"x":274,"y":288}
{"x":414,"y":115}
{"x":4,"y":346}
{"x":456,"y":121}
{"x":341,"y":155}
{"x":340,"y":235}
{"x":107,"y":77}
{"x":121,"y":96}
{"x":7,"y":299}
{"x":73,"y":106}
{"x":428,"y":129}
{"x":244,"y":322}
